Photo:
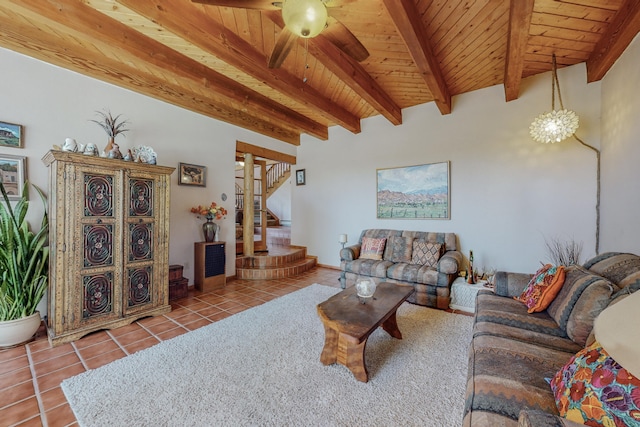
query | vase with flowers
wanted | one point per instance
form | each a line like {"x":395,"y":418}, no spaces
{"x":210,"y":229}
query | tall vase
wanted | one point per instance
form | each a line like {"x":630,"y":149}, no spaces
{"x":210,"y":230}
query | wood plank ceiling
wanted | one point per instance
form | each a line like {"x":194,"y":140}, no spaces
{"x":213,"y":60}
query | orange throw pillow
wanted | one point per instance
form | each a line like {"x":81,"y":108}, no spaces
{"x":543,"y":288}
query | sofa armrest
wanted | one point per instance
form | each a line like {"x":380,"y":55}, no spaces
{"x":537,"y":418}
{"x":510,"y":284}
{"x":450,"y":262}
{"x":350,"y":253}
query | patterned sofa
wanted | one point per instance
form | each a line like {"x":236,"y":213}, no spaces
{"x":512,"y":352}
{"x":398,"y":265}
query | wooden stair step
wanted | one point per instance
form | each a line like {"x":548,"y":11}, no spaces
{"x":265,"y":272}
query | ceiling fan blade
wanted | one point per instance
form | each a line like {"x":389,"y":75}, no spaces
{"x":283,"y":46}
{"x":344,"y":39}
{"x":243,"y":4}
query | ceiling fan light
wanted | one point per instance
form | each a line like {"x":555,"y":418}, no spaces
{"x":554,"y":126}
{"x":305,"y":18}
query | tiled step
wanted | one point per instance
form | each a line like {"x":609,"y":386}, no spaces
{"x":265,"y":267}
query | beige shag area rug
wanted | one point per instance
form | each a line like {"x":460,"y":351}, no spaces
{"x":261,"y":367}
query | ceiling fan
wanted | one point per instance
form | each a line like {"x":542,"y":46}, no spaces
{"x":306,"y":19}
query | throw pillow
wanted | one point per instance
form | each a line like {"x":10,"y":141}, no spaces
{"x":426,"y":253}
{"x":543,"y":288}
{"x":593,"y":389}
{"x":372,"y":248}
{"x":398,"y":249}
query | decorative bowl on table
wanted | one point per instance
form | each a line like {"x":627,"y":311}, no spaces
{"x":365,"y":288}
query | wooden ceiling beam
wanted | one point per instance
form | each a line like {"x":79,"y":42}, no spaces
{"x":90,"y":24}
{"x":520,"y":14}
{"x":407,"y":20}
{"x":350,"y":72}
{"x":51,"y":48}
{"x":187,"y":21}
{"x":621,"y":32}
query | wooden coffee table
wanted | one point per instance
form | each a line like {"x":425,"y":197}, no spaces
{"x":348,"y":324}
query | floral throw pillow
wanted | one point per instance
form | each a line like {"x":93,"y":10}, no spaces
{"x":543,"y":288}
{"x":372,"y":248}
{"x":593,"y":389}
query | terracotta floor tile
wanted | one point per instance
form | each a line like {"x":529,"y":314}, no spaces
{"x":14,"y":364}
{"x":32,"y":422}
{"x":178,"y":313}
{"x":237,"y":309}
{"x":132,"y":327}
{"x":153,"y":320}
{"x":98,"y":349}
{"x":56,"y":363}
{"x":20,"y":411}
{"x":49,"y":381}
{"x":219,"y":316}
{"x":141,"y":345}
{"x":52,"y":398}
{"x":17,"y":393}
{"x":91,"y":339}
{"x":131,"y":337}
{"x":103,"y":359}
{"x":15,"y":377}
{"x":51,"y":353}
{"x":60,"y":416}
{"x":39,"y":345}
{"x":188,"y":318}
{"x":197,"y":324}
{"x":167,"y":335}
{"x":209,"y":311}
{"x":12,"y":353}
{"x":227,"y":305}
{"x":162,"y":327}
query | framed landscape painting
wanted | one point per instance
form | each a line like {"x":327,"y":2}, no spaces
{"x":414,"y":192}
{"x":12,"y":175}
{"x":10,"y":135}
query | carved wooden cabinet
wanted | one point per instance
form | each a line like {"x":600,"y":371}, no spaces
{"x":109,"y":242}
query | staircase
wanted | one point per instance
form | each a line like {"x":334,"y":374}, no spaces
{"x":267,"y":267}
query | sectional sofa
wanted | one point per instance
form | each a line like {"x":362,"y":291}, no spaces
{"x":402,"y":260}
{"x":514,"y":354}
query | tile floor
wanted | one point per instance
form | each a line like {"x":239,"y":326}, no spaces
{"x":30,"y":375}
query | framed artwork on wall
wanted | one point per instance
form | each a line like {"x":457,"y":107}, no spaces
{"x":10,"y":135}
{"x":13,"y":174}
{"x":192,"y":175}
{"x":414,"y":192}
{"x":301,"y":178}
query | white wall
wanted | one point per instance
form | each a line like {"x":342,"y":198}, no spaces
{"x":52,"y":104}
{"x":621,"y":153}
{"x":508,"y":193}
{"x":280,"y":202}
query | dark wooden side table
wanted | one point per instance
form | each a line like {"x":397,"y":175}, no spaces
{"x":348,"y":324}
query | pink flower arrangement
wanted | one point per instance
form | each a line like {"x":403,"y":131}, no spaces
{"x":213,"y":210}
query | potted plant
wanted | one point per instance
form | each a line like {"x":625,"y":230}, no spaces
{"x":24,"y":258}
{"x":111,"y":126}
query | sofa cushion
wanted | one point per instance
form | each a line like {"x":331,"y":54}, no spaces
{"x":594,"y":389}
{"x":542,"y":288}
{"x":372,"y":248}
{"x":506,"y":376}
{"x":367,"y":267}
{"x":398,"y":249}
{"x":622,"y":269}
{"x":582,"y":297}
{"x":426,"y":253}
{"x":506,"y":311}
{"x":415,"y":273}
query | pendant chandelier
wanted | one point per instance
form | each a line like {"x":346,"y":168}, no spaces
{"x":554,"y":126}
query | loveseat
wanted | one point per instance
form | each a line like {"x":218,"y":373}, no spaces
{"x":429,"y":262}
{"x":514,"y":354}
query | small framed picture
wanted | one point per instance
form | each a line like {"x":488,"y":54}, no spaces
{"x":192,"y":175}
{"x":13,"y":175}
{"x":10,"y":135}
{"x":300,"y":177}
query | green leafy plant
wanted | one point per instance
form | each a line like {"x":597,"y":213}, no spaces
{"x":110,"y":124}
{"x":24,"y":258}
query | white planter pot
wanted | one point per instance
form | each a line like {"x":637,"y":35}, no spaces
{"x":14,"y":332}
